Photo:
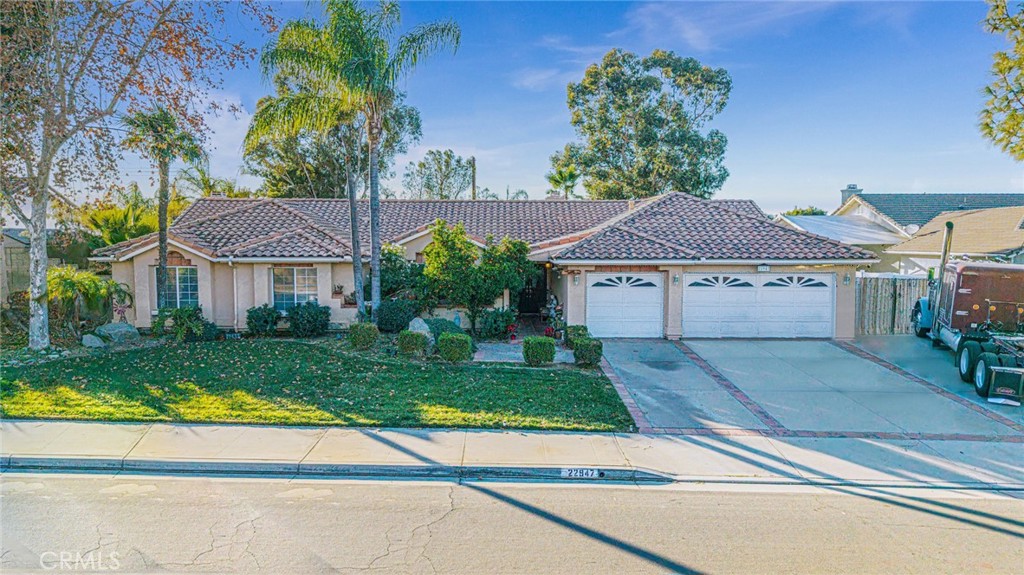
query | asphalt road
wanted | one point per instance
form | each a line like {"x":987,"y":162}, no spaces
{"x":159,"y":524}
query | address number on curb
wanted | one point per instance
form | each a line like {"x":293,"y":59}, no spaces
{"x":581,"y":473}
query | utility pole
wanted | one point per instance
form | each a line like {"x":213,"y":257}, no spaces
{"x":472,"y":160}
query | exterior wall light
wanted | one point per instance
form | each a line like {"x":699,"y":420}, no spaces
{"x":675,"y":279}
{"x":576,"y":279}
{"x":846,"y":279}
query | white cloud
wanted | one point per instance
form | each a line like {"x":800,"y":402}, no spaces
{"x":705,"y":27}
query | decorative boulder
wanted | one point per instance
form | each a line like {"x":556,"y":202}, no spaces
{"x":420,"y":326}
{"x":118,"y":332}
{"x":90,"y":340}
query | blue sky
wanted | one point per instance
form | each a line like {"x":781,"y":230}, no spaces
{"x":882,"y":94}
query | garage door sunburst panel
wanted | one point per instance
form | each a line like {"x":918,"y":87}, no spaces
{"x":623,"y":281}
{"x":795,"y":281}
{"x":720,"y":281}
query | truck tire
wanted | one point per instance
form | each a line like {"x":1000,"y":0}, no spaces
{"x":983,"y":372}
{"x":1007,"y":360}
{"x":915,"y":321}
{"x":966,"y":357}
{"x":989,"y":347}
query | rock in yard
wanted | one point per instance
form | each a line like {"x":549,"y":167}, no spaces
{"x":118,"y":332}
{"x":90,"y":340}
{"x":420,"y":326}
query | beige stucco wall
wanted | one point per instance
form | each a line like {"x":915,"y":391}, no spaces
{"x":846,"y":296}
{"x":124,"y":273}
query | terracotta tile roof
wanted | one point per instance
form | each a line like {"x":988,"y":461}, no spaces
{"x":680,"y":227}
{"x":919,"y":209}
{"x":748,"y":207}
{"x":995,"y":231}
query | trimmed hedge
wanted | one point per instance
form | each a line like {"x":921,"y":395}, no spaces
{"x":412,"y":342}
{"x":363,"y":335}
{"x":574,"y":333}
{"x":455,"y":347}
{"x":439,"y":326}
{"x":262,"y":321}
{"x":588,"y":351}
{"x":538,"y":350}
{"x":309,"y":319}
{"x":493,"y":323}
{"x":394,"y":315}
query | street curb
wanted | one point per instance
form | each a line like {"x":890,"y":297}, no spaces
{"x":323,"y":470}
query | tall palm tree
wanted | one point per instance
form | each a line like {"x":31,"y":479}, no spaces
{"x":309,"y":57}
{"x":157,"y":135}
{"x":375,"y":59}
{"x":563,"y":180}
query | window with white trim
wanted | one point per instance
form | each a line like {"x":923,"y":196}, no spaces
{"x":182,"y":289}
{"x":293,"y":286}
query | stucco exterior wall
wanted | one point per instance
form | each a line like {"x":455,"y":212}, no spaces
{"x":124,"y":273}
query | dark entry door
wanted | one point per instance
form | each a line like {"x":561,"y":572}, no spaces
{"x":533,"y":298}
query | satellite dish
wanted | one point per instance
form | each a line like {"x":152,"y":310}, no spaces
{"x":912,"y":229}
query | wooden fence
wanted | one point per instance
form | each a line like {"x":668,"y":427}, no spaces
{"x":884,"y":303}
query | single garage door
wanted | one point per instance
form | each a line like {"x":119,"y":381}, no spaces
{"x":758,"y":305}
{"x":625,"y":305}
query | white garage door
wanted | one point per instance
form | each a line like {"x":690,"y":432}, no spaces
{"x":758,"y":305}
{"x":625,"y":305}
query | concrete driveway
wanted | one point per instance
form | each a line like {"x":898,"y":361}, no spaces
{"x":806,"y":388}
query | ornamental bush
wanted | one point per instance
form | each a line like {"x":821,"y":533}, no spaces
{"x":587,"y":351}
{"x":455,"y":347}
{"x":412,"y":342}
{"x":394,"y":315}
{"x":262,"y":321}
{"x":439,"y":325}
{"x":309,"y":319}
{"x":494,"y":323}
{"x":538,"y":350}
{"x":187,"y":324}
{"x":574,"y":333}
{"x":363,"y":335}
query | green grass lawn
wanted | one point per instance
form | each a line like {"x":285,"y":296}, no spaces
{"x":295,"y":383}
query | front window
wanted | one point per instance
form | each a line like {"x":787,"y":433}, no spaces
{"x":293,"y":286}
{"x":182,"y":287}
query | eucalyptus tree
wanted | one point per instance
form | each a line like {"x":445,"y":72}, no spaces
{"x":158,"y":135}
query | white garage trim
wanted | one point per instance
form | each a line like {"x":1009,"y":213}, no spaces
{"x":775,"y":305}
{"x":625,"y":304}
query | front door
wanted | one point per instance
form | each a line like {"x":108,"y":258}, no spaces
{"x":533,"y":298}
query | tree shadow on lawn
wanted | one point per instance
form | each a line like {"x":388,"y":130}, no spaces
{"x":292,"y":383}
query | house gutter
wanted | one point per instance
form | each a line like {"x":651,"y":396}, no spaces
{"x":714,"y":262}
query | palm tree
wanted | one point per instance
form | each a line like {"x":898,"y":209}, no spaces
{"x":311,"y":56}
{"x":563,"y":180}
{"x":374,"y":59}
{"x":157,"y":135}
{"x":520,"y":194}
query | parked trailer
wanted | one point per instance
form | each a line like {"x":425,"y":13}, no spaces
{"x":977,"y":310}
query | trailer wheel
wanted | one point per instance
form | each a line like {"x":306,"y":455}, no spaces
{"x":966,"y":358}
{"x":989,"y":347}
{"x":1007,"y":360}
{"x":983,"y":373}
{"x":915,"y":320}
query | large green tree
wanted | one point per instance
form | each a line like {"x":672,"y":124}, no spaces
{"x":440,"y":175}
{"x":1002,"y":119}
{"x":641,"y":124}
{"x":158,"y":135}
{"x":563,"y":180}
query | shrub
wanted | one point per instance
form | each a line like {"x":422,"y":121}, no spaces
{"x":455,"y":347}
{"x":363,"y":335}
{"x":394,"y":315}
{"x":493,"y":323}
{"x":262,"y":321}
{"x":574,"y":333}
{"x":187,"y":324}
{"x":538,"y":350}
{"x":587,"y":351}
{"x":412,"y":342}
{"x":439,"y":325}
{"x":309,"y":319}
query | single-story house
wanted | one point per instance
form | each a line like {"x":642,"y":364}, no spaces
{"x":995,"y":234}
{"x":672,"y":266}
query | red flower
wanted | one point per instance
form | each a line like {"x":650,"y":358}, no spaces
{"x":549,"y":331}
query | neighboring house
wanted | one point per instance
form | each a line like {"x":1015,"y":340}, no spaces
{"x":856,"y":231}
{"x":671,"y":266}
{"x":13,"y":262}
{"x":995,"y":234}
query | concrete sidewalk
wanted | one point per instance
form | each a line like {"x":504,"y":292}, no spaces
{"x":478,"y":454}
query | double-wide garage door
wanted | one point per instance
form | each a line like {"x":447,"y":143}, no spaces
{"x":625,"y":304}
{"x":758,"y":305}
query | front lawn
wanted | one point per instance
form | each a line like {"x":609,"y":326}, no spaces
{"x":295,"y":383}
